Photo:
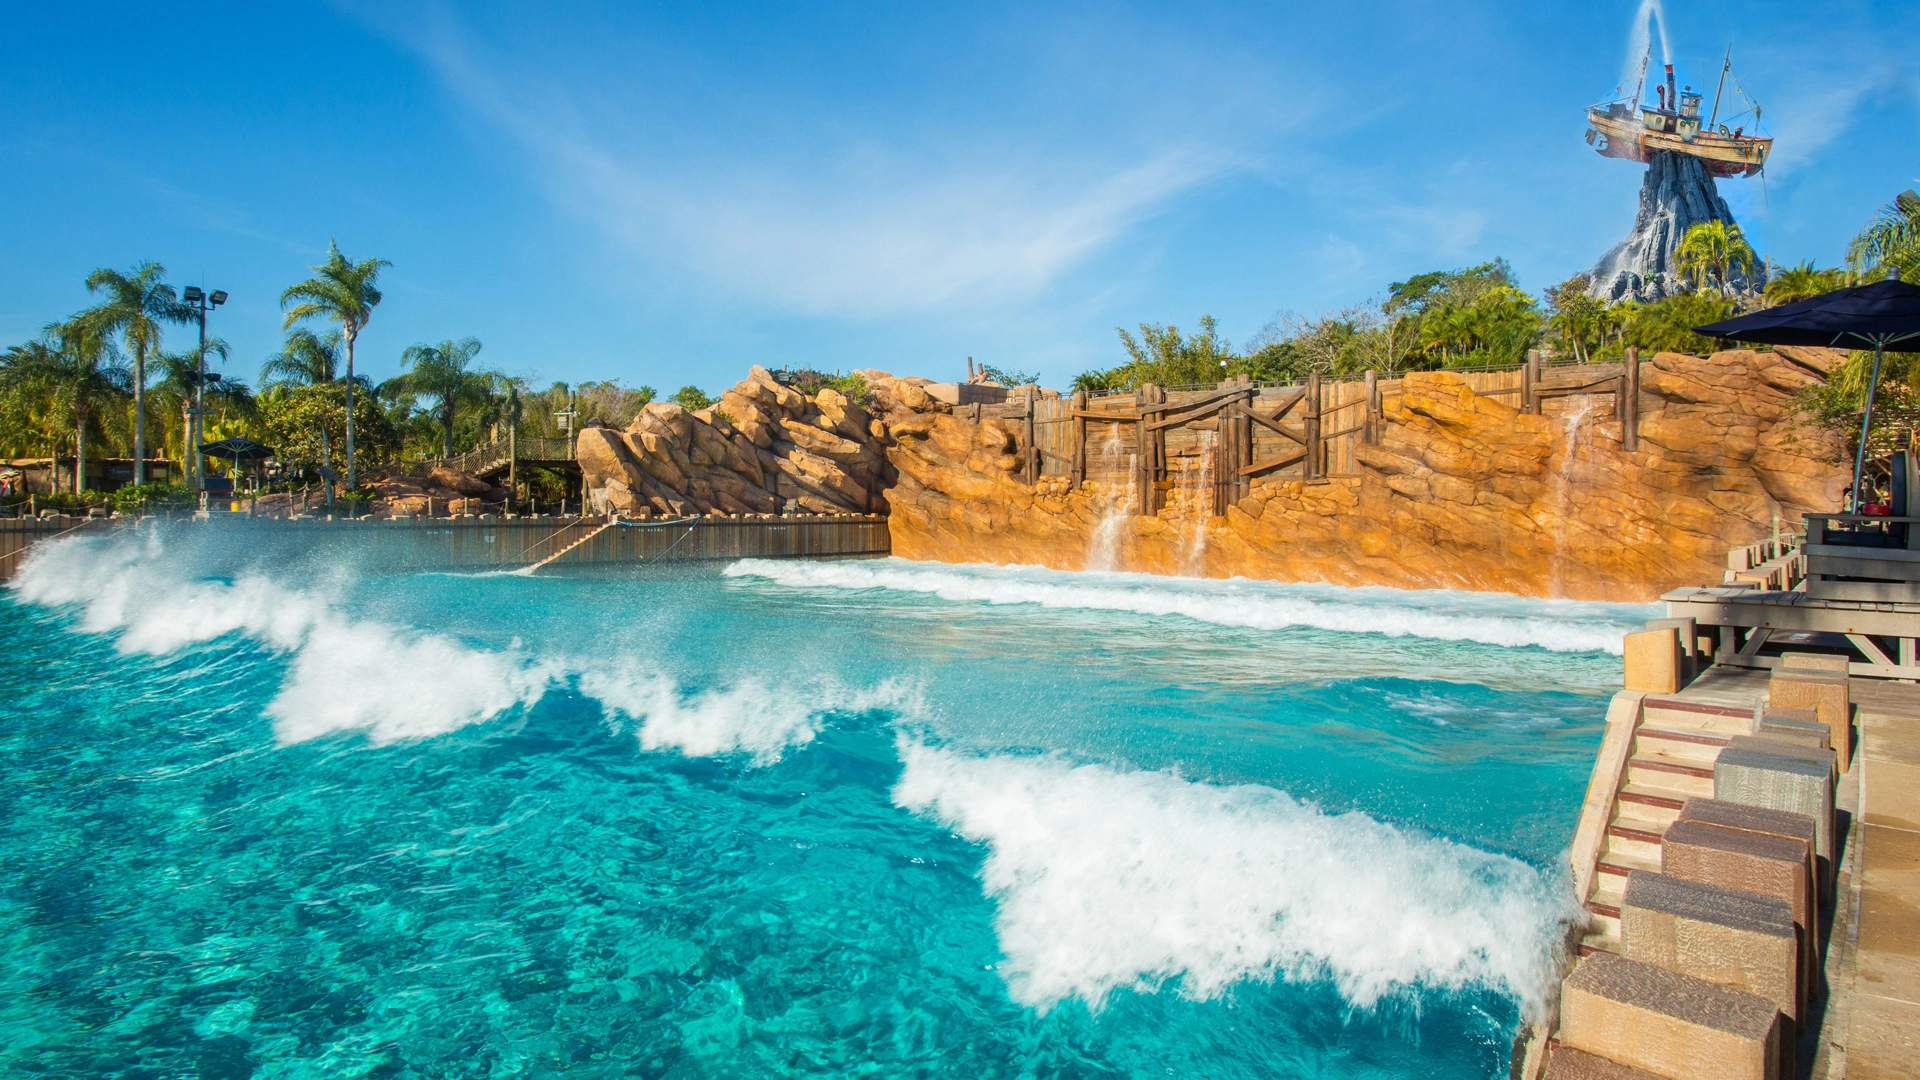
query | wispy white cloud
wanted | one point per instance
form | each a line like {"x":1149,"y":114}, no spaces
{"x":844,"y":228}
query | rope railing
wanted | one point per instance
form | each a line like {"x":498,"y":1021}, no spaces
{"x":496,"y":453}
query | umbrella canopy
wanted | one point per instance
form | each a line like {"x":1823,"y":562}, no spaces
{"x":237,"y":449}
{"x":1881,"y":316}
{"x":1885,"y":314}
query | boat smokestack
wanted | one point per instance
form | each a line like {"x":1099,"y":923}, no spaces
{"x":1673,"y":99}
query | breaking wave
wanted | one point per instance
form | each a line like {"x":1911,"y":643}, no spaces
{"x":1108,"y":879}
{"x":393,"y":683}
{"x":1443,"y":615}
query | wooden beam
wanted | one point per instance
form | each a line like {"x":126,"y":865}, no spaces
{"x":1630,"y":401}
{"x":1310,"y":420}
{"x":1273,"y":463}
{"x":1191,"y":412}
{"x":1078,"y":469}
{"x":1530,"y":383}
{"x":1372,"y":434}
{"x":1255,"y":416}
{"x":1286,"y":403}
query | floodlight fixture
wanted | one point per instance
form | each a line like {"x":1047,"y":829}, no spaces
{"x":217,"y":297}
{"x":192,"y":294}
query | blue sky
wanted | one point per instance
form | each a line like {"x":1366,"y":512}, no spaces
{"x":664,"y":194}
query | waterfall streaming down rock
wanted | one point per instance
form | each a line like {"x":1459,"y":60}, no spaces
{"x":1677,"y":194}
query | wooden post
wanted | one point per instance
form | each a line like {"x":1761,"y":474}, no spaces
{"x":1630,"y":401}
{"x":1243,"y":442}
{"x":1222,"y":459}
{"x":1142,"y":469}
{"x":1079,"y":465}
{"x":1310,"y":420}
{"x":1529,"y":378}
{"x":1370,"y":434}
{"x":1032,"y":429}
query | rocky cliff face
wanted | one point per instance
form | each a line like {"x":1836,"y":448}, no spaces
{"x":1676,"y":195}
{"x":1461,"y":492}
{"x":763,"y":449}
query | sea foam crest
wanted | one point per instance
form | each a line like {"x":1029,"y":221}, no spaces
{"x":346,"y":674}
{"x":1107,"y":879}
{"x":393,"y":683}
{"x":750,"y":716}
{"x":1444,"y":615}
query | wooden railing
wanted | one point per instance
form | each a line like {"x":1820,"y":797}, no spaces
{"x":501,"y":452}
{"x":1154,"y":440}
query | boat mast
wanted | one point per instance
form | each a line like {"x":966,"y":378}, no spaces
{"x":1724,"y":65}
{"x":1642,"y":82}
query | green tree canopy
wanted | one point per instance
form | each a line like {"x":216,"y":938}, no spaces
{"x":1890,"y":241}
{"x":445,"y":373}
{"x":344,"y":292}
{"x":1711,"y":251}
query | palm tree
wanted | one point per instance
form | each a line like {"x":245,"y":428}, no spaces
{"x":180,"y":373}
{"x":137,"y":302}
{"x":76,"y":373}
{"x":1800,"y":282}
{"x":307,"y":359}
{"x":343,"y":292}
{"x":1891,"y":240}
{"x":444,"y":373}
{"x":1711,"y":251}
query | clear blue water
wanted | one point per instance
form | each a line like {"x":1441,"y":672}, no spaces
{"x":268,"y":816}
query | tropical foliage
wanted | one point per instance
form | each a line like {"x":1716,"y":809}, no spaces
{"x":135,"y":305}
{"x":444,"y":374}
{"x":1801,"y":282}
{"x":71,"y":377}
{"x":691,"y":397}
{"x":304,"y":424}
{"x":1890,"y":241}
{"x":343,"y":292}
{"x":1710,"y":252}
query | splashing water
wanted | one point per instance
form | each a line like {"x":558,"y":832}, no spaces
{"x":1103,"y":553}
{"x":790,"y":819}
{"x":1650,"y":14}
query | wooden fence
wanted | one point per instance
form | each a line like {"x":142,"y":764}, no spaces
{"x":1153,"y":441}
{"x":17,"y":534}
{"x":451,"y":543}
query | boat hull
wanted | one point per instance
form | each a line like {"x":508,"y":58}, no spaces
{"x":1723,"y":155}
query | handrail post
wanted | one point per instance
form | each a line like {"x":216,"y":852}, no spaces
{"x":1630,"y":401}
{"x":1310,"y":421}
{"x":1079,"y":439}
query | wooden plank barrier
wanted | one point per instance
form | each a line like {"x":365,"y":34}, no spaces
{"x":436,"y":543}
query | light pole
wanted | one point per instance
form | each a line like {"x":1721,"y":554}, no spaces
{"x":201,"y":303}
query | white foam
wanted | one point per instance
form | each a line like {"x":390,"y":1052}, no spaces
{"x":346,"y":674}
{"x":1445,"y":615}
{"x":1107,"y":879}
{"x":749,"y":716}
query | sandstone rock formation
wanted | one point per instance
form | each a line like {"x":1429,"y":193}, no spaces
{"x":1462,"y":491}
{"x":441,"y":491}
{"x":765,"y":448}
{"x":1677,"y":194}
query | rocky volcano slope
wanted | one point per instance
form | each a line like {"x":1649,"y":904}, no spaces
{"x":1677,"y":194}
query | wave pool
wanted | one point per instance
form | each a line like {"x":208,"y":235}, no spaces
{"x":270,"y":816}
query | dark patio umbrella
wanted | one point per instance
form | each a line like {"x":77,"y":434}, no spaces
{"x":1881,"y":316}
{"x":237,"y":449}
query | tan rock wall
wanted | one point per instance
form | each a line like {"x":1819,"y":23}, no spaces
{"x":765,"y":448}
{"x":1462,"y":491}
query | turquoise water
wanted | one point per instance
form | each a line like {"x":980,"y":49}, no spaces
{"x":270,"y":816}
